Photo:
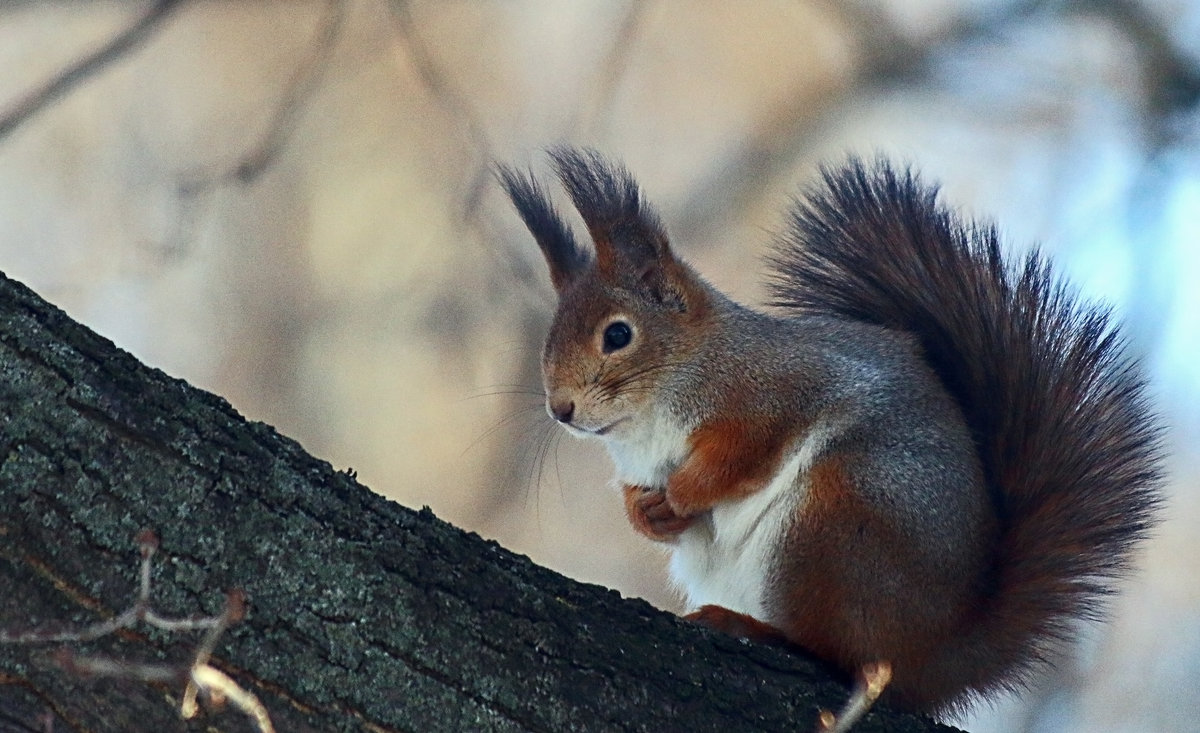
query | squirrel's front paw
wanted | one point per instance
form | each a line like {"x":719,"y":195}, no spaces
{"x":651,"y":514}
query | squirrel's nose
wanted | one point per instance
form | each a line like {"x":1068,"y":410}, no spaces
{"x":561,"y":409}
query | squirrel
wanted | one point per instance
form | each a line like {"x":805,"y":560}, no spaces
{"x":922,"y":457}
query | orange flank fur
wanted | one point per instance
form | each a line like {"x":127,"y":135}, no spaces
{"x":729,"y":459}
{"x":831,"y":526}
{"x":838,"y":541}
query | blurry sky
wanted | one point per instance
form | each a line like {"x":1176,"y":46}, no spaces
{"x":288,"y":203}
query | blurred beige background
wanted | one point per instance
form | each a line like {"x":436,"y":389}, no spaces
{"x":288,"y":203}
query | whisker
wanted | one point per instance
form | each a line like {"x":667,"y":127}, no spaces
{"x":548,"y":441}
{"x":505,"y":421}
{"x":498,"y":392}
{"x":504,"y":388}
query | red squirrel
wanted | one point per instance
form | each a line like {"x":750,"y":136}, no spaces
{"x":923,"y":456}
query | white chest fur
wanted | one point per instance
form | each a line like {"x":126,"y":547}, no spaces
{"x":647,"y":453}
{"x":725,"y":561}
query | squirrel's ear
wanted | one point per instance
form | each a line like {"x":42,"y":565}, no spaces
{"x":553,"y":236}
{"x":631,"y":245}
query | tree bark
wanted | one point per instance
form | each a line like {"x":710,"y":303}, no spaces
{"x":363,"y":615}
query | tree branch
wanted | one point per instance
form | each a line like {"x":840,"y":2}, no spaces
{"x":361,"y":614}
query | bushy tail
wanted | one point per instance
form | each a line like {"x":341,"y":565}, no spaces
{"x":1067,"y":441}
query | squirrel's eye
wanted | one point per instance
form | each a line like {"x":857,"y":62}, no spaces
{"x":617,"y":336}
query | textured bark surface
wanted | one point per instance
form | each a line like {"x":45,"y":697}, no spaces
{"x":363,"y":614}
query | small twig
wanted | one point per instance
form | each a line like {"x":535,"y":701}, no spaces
{"x":86,"y":67}
{"x":235,"y":609}
{"x":221,"y":686}
{"x":199,"y":676}
{"x":872,"y":681}
{"x":106,"y":667}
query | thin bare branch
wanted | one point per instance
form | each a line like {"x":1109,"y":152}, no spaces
{"x":596,"y":109}
{"x":222,"y":687}
{"x":86,"y":67}
{"x":195,"y":188}
{"x":300,"y":88}
{"x":453,"y":103}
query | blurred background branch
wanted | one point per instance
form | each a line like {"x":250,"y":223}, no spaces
{"x":296,"y":94}
{"x":454,"y":105}
{"x":84,"y":68}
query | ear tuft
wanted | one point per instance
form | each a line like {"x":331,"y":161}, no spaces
{"x":564,"y":258}
{"x":626,"y":231}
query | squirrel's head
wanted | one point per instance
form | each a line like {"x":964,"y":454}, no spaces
{"x":629,"y":312}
